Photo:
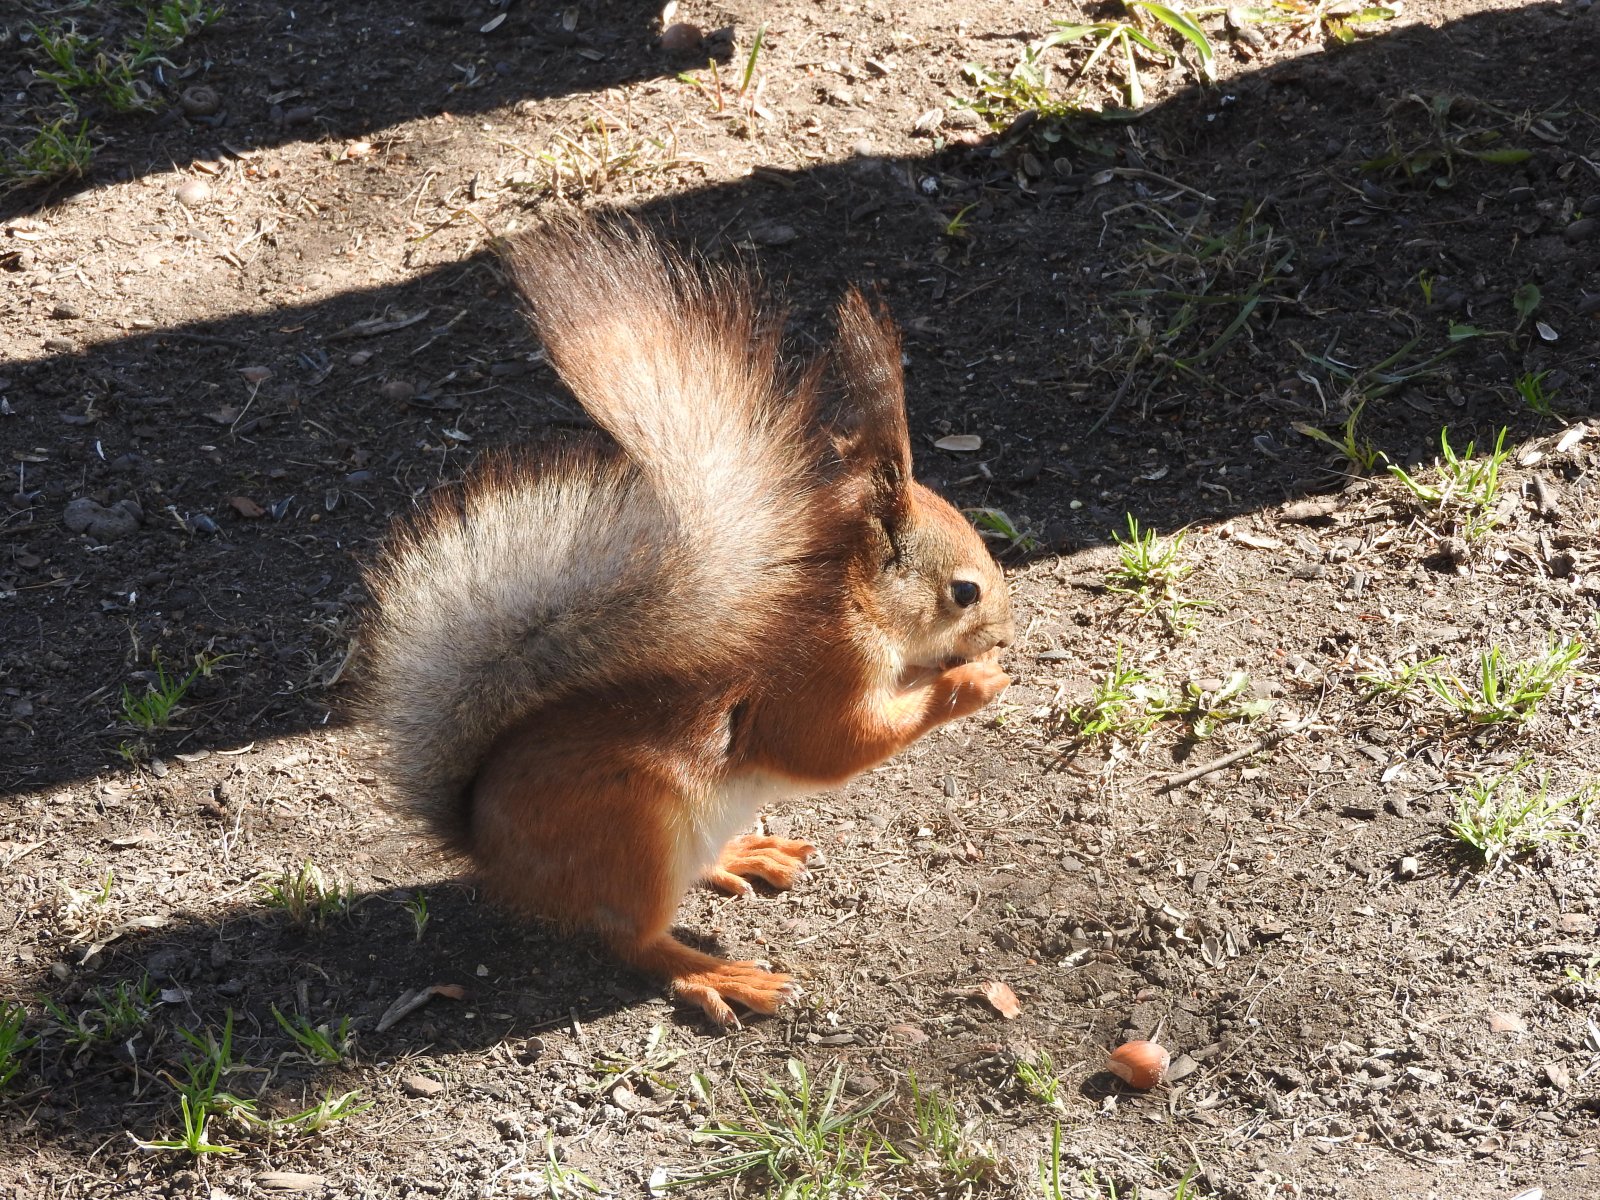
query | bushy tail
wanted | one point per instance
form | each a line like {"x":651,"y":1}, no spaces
{"x":579,"y":569}
{"x":674,"y":361}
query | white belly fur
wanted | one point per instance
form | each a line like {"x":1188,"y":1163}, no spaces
{"x":727,"y":811}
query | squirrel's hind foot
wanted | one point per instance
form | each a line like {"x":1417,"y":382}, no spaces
{"x":777,"y":862}
{"x":711,"y":982}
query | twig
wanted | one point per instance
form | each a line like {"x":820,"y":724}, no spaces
{"x":1227,"y":760}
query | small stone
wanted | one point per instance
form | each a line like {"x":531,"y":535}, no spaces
{"x":66,"y":311}
{"x":681,"y":38}
{"x":398,"y":391}
{"x":421,"y":1086}
{"x":192,"y":193}
{"x":772,"y":233}
{"x":300,"y":114}
{"x":1581,"y":230}
{"x":200,"y":101}
{"x":84,"y":515}
{"x":1406,"y":868}
{"x":59,"y":344}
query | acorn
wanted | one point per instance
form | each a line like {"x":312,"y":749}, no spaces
{"x":1140,"y":1065}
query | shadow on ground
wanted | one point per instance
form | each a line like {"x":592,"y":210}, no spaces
{"x":1188,"y":287}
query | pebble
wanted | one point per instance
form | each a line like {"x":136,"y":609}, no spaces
{"x":193,"y":192}
{"x":200,"y":101}
{"x":772,"y":233}
{"x":66,"y":311}
{"x":681,"y":38}
{"x":84,"y":515}
{"x":1406,"y":868}
{"x":1581,"y":230}
{"x":421,"y":1086}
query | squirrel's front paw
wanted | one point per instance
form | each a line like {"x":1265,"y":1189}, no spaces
{"x":972,"y":685}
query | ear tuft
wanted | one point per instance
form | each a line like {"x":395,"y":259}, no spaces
{"x":871,"y":434}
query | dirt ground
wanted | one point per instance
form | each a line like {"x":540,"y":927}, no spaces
{"x":1135,"y":316}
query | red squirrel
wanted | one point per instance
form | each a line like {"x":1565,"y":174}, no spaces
{"x":592,"y":666}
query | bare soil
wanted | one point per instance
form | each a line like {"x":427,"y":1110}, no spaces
{"x":1135,"y":316}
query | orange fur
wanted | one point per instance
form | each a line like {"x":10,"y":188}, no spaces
{"x":595,"y":668}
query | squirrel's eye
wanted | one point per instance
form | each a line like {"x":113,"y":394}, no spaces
{"x":965,"y":593}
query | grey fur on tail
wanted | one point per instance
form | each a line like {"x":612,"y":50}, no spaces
{"x":556,"y":573}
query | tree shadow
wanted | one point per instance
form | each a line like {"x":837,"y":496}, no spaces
{"x":328,"y":72}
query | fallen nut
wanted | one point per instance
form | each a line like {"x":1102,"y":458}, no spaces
{"x":1140,"y":1065}
{"x":677,"y":39}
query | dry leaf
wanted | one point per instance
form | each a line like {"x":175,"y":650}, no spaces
{"x":1002,"y":999}
{"x":246,"y":507}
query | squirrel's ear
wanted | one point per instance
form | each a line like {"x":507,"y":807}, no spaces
{"x":870,"y":432}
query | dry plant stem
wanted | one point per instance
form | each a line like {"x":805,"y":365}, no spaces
{"x":1266,"y":742}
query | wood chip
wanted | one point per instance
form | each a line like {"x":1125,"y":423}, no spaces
{"x":1309,"y":510}
{"x":1503,"y":1022}
{"x":1256,"y":542}
{"x":1571,"y":438}
{"x":289,"y":1181}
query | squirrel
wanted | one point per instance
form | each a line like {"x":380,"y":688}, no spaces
{"x":592,"y":665}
